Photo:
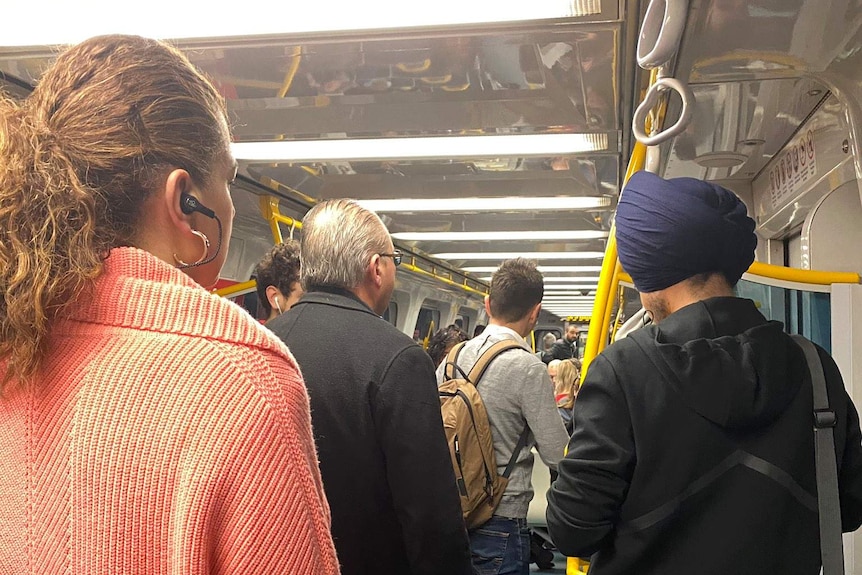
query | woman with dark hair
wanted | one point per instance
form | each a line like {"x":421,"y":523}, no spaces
{"x":443,"y":341}
{"x":277,"y":278}
{"x":147,"y":426}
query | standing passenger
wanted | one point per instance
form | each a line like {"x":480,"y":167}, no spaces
{"x":547,"y":345}
{"x":377,"y":422}
{"x":693,"y":444}
{"x":146,"y":425}
{"x":443,"y":341}
{"x":277,"y":278}
{"x":517,"y":394}
{"x":566,"y":387}
{"x":567,"y":347}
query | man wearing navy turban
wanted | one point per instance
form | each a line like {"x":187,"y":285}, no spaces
{"x":693,"y":444}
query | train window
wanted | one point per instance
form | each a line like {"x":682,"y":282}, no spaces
{"x":428,"y":320}
{"x":802,"y":312}
{"x":391,"y":313}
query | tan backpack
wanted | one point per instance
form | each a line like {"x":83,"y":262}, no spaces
{"x":468,"y":433}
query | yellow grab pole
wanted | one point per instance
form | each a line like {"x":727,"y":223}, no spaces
{"x":609,"y":308}
{"x":606,"y":277}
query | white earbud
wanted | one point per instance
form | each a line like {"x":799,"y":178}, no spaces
{"x":278,"y":307}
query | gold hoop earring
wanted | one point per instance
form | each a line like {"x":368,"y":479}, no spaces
{"x":206,"y":242}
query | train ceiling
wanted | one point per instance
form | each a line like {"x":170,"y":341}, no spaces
{"x":519,"y":130}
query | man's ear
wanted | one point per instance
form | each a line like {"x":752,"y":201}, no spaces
{"x":273,"y":292}
{"x":534,"y":316}
{"x":488,"y":305}
{"x":375,"y":270}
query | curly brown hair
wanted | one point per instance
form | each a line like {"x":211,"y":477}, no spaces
{"x":279,"y":268}
{"x":444,"y":340}
{"x":78,"y":158}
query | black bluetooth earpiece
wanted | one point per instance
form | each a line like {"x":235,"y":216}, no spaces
{"x":189,"y":204}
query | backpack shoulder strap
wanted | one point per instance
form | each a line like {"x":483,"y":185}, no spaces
{"x":452,"y":361}
{"x":486,"y":358}
{"x":827,"y":472}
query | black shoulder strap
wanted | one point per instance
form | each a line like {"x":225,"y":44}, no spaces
{"x":829,"y":508}
{"x":452,"y":362}
{"x":522,"y":441}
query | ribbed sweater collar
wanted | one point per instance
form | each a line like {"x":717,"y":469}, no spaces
{"x":139,"y":291}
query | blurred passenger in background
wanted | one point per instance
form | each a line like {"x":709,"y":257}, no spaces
{"x":547,"y":344}
{"x":694,"y":439}
{"x":567,"y":346}
{"x":277,"y":277}
{"x":566,"y":385}
{"x":147,"y":426}
{"x":552,"y":370}
{"x":377,"y":422}
{"x":478,"y":329}
{"x":444,"y":340}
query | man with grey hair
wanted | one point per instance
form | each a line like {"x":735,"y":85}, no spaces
{"x":375,"y":410}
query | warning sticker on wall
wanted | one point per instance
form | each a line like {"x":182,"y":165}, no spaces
{"x":793,"y":167}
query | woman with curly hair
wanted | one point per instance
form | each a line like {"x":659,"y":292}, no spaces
{"x":147,"y":426}
{"x":277,"y":278}
{"x":443,"y":341}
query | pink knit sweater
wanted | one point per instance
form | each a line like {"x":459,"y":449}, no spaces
{"x":168,"y":433}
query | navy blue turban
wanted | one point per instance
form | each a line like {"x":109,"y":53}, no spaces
{"x":670,"y":230}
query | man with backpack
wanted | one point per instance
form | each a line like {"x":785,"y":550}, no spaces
{"x":515,"y":391}
{"x":694,"y":437}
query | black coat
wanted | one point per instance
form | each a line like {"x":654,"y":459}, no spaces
{"x":376,"y":417}
{"x":562,"y":349}
{"x":693,"y":451}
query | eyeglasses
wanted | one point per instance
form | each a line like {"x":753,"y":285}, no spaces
{"x":396,"y":257}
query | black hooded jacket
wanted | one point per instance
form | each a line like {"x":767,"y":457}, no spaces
{"x":693,"y":451}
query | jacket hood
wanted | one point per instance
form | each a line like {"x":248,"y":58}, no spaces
{"x":726,"y":361}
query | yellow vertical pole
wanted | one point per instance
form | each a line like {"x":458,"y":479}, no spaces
{"x":598,"y":330}
{"x":606,"y":278}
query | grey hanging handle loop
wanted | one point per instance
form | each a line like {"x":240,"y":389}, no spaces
{"x":829,"y":507}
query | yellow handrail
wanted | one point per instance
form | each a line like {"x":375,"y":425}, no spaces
{"x":803,"y":276}
{"x":235,"y":289}
{"x":415,"y":269}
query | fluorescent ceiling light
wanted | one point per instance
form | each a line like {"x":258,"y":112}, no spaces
{"x":573,"y":279}
{"x":426,"y":148}
{"x":75,"y":21}
{"x":526,"y":255}
{"x":551,"y":280}
{"x":480,"y":236}
{"x":506,"y":204}
{"x":543,"y":269}
{"x":569,"y":311}
{"x":573,"y":298}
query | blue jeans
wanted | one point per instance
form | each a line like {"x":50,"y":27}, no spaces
{"x":501,"y":547}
